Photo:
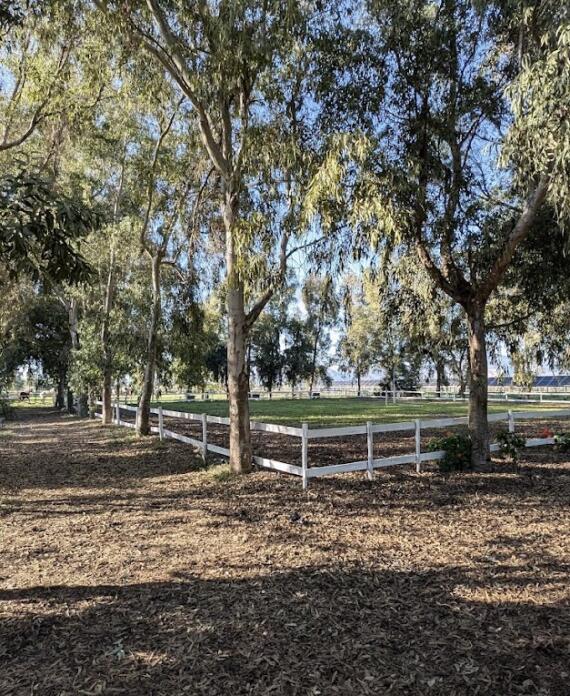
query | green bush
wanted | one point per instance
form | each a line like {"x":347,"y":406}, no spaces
{"x":510,"y":444}
{"x":457,"y":451}
{"x":562,"y":442}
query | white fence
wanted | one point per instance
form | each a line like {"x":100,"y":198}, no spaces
{"x":377,"y":393}
{"x":368,"y":465}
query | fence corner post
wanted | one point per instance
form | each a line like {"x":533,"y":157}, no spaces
{"x":370,"y":442}
{"x":204,"y":437}
{"x":305,"y":455}
{"x":511,"y":418}
{"x":418,"y":446}
{"x":160,"y":423}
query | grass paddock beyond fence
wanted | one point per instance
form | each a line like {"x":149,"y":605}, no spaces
{"x":346,"y":411}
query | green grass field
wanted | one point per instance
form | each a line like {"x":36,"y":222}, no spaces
{"x":345,"y":411}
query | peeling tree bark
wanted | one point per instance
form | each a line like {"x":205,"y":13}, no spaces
{"x":143,"y":418}
{"x":238,"y":377}
{"x":107,"y":410}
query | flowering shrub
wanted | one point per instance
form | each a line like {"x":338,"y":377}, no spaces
{"x":457,"y":452}
{"x":510,"y":444}
{"x":562,"y":442}
{"x":546,"y":432}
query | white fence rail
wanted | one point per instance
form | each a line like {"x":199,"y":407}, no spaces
{"x":547,"y":395}
{"x":305,"y":434}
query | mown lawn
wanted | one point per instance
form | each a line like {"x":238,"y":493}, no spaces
{"x":345,"y":411}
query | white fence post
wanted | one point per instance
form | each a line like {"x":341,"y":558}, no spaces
{"x":204,"y":437}
{"x":160,"y":423}
{"x":305,"y":455}
{"x":370,"y":442}
{"x":511,"y":418}
{"x":118,"y":413}
{"x":386,"y":397}
{"x":418,"y":447}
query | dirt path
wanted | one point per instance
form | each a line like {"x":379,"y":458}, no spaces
{"x":125,"y":569}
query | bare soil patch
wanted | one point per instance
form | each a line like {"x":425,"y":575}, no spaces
{"x":127,"y":569}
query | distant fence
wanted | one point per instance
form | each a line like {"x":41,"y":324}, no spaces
{"x":304,"y":433}
{"x":377,"y":393}
{"x":32,"y":396}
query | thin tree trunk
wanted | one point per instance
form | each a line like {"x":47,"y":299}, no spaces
{"x":82,"y":399}
{"x":60,"y":394}
{"x":463,"y":375}
{"x":238,"y":377}
{"x":440,"y":372}
{"x":314,"y":357}
{"x":107,"y":410}
{"x":478,"y":424}
{"x":69,"y":398}
{"x":358,"y":381}
{"x":143,"y":423}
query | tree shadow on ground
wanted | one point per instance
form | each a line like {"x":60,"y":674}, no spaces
{"x":307,"y":631}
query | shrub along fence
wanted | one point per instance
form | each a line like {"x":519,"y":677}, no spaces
{"x":304,"y":434}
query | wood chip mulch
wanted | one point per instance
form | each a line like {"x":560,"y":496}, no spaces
{"x":126,"y":568}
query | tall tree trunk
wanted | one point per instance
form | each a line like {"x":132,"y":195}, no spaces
{"x":478,"y":387}
{"x":143,"y":422}
{"x":314,"y":357}
{"x":358,"y":380}
{"x":440,"y":372}
{"x":69,"y":399}
{"x":238,"y":377}
{"x":60,"y":393}
{"x":82,"y":398}
{"x":463,"y":374}
{"x":107,"y":410}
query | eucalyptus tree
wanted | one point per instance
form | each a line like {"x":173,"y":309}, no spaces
{"x":53,"y":82}
{"x":322,"y":306}
{"x":298,"y":353}
{"x":467,"y":143}
{"x":358,"y":345}
{"x":240,"y":65}
{"x":171,"y":222}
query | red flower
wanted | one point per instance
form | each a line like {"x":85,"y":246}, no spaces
{"x":546,"y":432}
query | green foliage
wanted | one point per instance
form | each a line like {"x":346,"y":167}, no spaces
{"x":457,"y":452}
{"x":268,"y":360}
{"x":193,"y":343}
{"x":538,"y":143}
{"x":298,"y":355}
{"x":510,"y":444}
{"x":40,"y":230}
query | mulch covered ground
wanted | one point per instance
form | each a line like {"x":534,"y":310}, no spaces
{"x":125,"y":569}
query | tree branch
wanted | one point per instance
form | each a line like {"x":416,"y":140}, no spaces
{"x":520,"y":231}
